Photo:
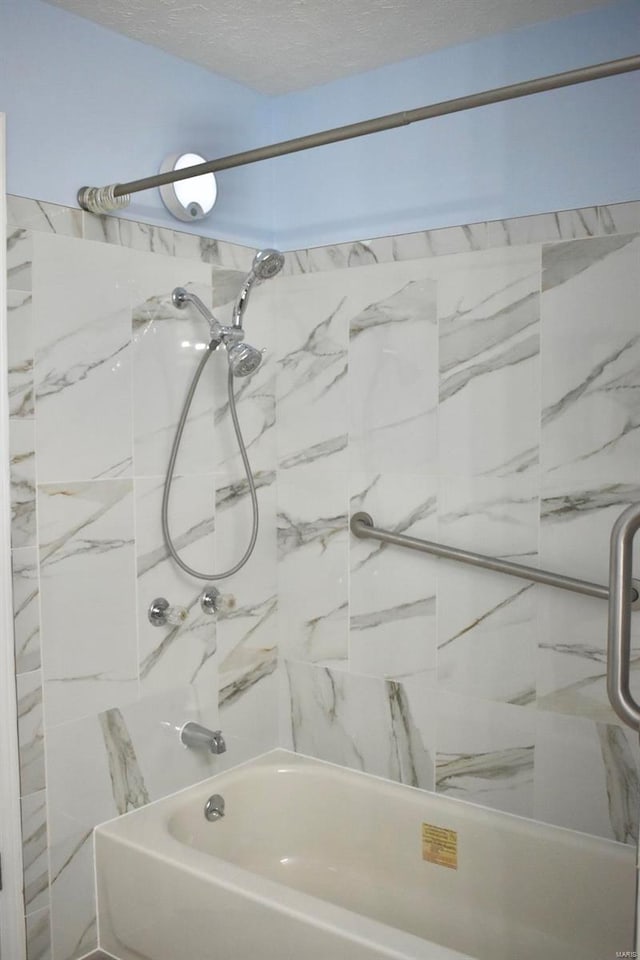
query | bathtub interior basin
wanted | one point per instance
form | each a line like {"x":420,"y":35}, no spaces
{"x":315,"y":861}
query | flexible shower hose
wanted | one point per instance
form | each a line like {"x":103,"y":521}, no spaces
{"x":171,"y":468}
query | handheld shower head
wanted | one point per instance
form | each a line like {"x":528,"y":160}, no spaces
{"x":266,"y":264}
{"x":243,"y":359}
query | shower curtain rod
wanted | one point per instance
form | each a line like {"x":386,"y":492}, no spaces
{"x":116,"y":195}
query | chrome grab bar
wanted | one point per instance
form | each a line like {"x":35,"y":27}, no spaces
{"x":623,"y":592}
{"x":362,"y":527}
{"x":619,"y":631}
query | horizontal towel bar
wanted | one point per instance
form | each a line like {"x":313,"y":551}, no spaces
{"x":362,"y":527}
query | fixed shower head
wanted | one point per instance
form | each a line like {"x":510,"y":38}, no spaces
{"x":266,"y":264}
{"x":243,"y":359}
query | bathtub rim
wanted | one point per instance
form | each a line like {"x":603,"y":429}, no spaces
{"x":270,"y":757}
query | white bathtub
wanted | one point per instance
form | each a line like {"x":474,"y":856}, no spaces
{"x":316,"y":862}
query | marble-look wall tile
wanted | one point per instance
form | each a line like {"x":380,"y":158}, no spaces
{"x":409,"y":246}
{"x":175,"y":654}
{"x":20,"y":351}
{"x":249,"y":715}
{"x":544,"y":228}
{"x":357,"y":721}
{"x":587,"y":776}
{"x":168,"y":344}
{"x":30,"y":732}
{"x":485,"y":619}
{"x":590,"y":363}
{"x":313,"y":566}
{"x":26,"y":610}
{"x":146,"y":237}
{"x":485,"y":753}
{"x":19,"y":259}
{"x":74,"y":931}
{"x":393,"y":380}
{"x":35,"y":851}
{"x":107,"y":764}
{"x":620,"y":217}
{"x":22,"y":469}
{"x":82,"y":363}
{"x":590,"y":449}
{"x":38,"y":930}
{"x":311,"y":386}
{"x":488,"y":309}
{"x":87,"y":589}
{"x":393,"y":591}
{"x":105,"y":229}
{"x":248,"y":624}
{"x":43,"y":217}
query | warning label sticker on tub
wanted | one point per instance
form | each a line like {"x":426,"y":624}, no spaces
{"x":440,"y":845}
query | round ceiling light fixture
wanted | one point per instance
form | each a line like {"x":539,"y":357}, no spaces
{"x":191,"y":199}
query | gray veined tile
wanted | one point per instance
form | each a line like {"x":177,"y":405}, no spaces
{"x":590,"y":397}
{"x":44,"y":217}
{"x":586,"y":777}
{"x":392,"y":602}
{"x":82,"y":369}
{"x":189,"y":246}
{"x":563,"y":261}
{"x":620,"y":217}
{"x":416,"y":758}
{"x":489,"y":419}
{"x":104,"y":229}
{"x":180,"y":654}
{"x":393,"y":342}
{"x":544,"y":227}
{"x":20,"y":351}
{"x":349,"y":719}
{"x":313,"y":566}
{"x":623,"y":784}
{"x":30,"y":732}
{"x":73,"y":908}
{"x":462,"y":239}
{"x":485,"y":753}
{"x":144,"y":236}
{"x":19,"y":259}
{"x":129,"y":789}
{"x":26,"y":612}
{"x":311,"y":380}
{"x":35,"y":854}
{"x":87,"y":541}
{"x":486,"y":619}
{"x":23,"y":491}
{"x":247,"y":632}
{"x":38,"y":930}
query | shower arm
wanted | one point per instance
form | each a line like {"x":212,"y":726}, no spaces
{"x":116,"y":195}
{"x":218,"y":332}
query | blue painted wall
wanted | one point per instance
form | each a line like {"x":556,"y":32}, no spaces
{"x":85,"y":105}
{"x":552,"y":151}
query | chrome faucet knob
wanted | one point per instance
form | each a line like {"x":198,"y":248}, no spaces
{"x":161,"y":613}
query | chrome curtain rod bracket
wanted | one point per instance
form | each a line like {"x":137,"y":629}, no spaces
{"x":362,"y":527}
{"x":104,"y":199}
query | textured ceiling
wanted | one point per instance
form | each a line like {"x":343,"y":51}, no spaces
{"x":276,"y":46}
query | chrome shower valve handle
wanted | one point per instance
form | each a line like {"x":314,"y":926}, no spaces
{"x":161,"y":613}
